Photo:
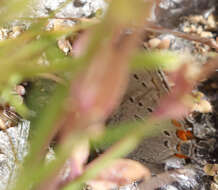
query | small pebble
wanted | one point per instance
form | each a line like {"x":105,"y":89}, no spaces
{"x":214,"y":186}
{"x":193,"y":28}
{"x":197,"y":19}
{"x":164,"y":44}
{"x":153,"y":43}
{"x":61,"y":25}
{"x":65,"y":46}
{"x":78,"y":3}
{"x":203,"y":106}
{"x":206,"y":34}
{"x":211,"y":169}
{"x":3,"y":33}
{"x":20,"y":90}
{"x":199,"y":30}
{"x":186,"y":29}
{"x":215,"y":178}
{"x":16,"y":31}
{"x":211,"y":22}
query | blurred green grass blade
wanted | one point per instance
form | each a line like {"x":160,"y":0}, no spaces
{"x":134,"y":133}
{"x":11,"y":9}
{"x":115,"y":133}
{"x":25,"y":51}
{"x":16,"y":101}
{"x":45,"y":122}
{"x":40,"y":172}
{"x":27,"y":45}
{"x":59,"y":66}
{"x":25,"y":60}
{"x":45,"y":128}
{"x":155,"y":59}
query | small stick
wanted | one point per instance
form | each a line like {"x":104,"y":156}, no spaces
{"x":153,"y":27}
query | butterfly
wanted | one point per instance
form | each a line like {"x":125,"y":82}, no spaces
{"x":142,"y":96}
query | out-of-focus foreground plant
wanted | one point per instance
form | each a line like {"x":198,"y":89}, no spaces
{"x":92,"y":84}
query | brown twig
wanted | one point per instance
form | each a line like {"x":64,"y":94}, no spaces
{"x":153,"y":27}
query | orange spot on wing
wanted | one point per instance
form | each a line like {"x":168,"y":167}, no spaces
{"x":181,"y":156}
{"x":184,"y":135}
{"x":176,"y":123}
{"x":181,"y":134}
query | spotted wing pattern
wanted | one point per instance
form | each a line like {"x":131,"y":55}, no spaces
{"x":144,"y":91}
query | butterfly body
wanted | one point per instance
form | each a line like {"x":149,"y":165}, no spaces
{"x":142,"y":96}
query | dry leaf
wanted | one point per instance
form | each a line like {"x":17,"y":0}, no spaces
{"x":78,"y":158}
{"x":123,"y":172}
{"x":180,"y":102}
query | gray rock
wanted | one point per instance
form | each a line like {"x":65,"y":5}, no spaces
{"x":13,"y":149}
{"x":168,"y":12}
{"x":42,"y":8}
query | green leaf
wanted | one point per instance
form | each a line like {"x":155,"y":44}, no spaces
{"x":155,"y":59}
{"x":129,"y":136}
{"x":45,"y":128}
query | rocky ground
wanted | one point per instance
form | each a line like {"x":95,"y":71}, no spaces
{"x":145,"y":89}
{"x":198,"y":17}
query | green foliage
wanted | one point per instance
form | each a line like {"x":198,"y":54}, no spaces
{"x":19,"y":62}
{"x":155,"y":59}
